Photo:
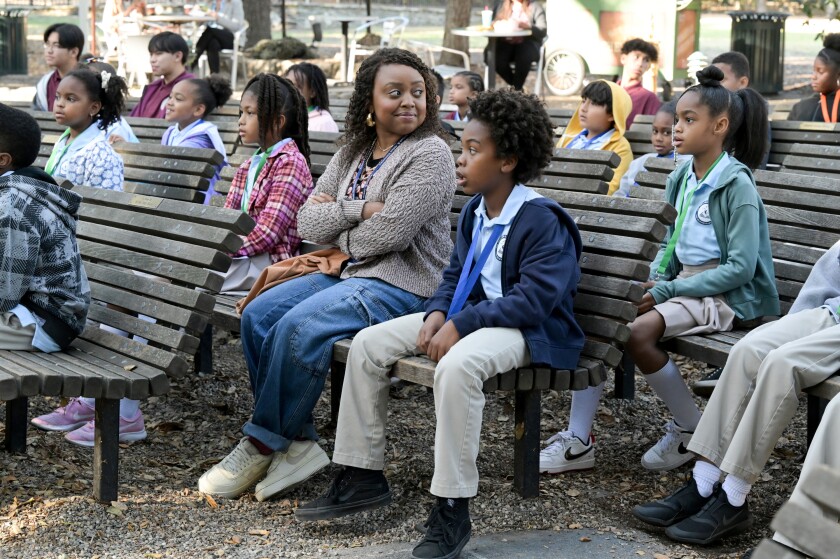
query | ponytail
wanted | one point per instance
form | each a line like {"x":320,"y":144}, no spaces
{"x":746,"y":109}
{"x":212,"y":91}
{"x":747,"y":139}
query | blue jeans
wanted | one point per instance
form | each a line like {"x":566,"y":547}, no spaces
{"x":287,"y":337}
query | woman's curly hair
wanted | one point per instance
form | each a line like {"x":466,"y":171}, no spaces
{"x":357,"y":135}
{"x":519,"y":126}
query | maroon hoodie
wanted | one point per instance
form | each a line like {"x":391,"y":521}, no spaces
{"x":153,"y":101}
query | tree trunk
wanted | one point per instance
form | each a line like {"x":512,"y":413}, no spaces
{"x":258,"y":15}
{"x":457,"y":15}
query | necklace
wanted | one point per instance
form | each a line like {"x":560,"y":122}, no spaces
{"x":380,"y":148}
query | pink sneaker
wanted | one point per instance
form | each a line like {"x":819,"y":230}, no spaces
{"x":131,"y":430}
{"x":72,"y":416}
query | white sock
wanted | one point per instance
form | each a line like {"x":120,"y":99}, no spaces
{"x":129,"y":408}
{"x":736,"y":490}
{"x":584,"y":407}
{"x":670,"y":386}
{"x":706,"y":475}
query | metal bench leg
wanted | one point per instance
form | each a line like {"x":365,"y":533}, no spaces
{"x":16,"y":424}
{"x":204,"y":357}
{"x":816,"y":407}
{"x":625,"y":378}
{"x":526,"y":447}
{"x":336,"y":384}
{"x":106,"y":449}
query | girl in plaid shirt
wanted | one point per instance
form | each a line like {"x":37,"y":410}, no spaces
{"x":272,"y":185}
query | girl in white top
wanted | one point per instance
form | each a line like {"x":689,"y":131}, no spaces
{"x":312,"y":84}
{"x":88,"y":103}
{"x":191,"y":102}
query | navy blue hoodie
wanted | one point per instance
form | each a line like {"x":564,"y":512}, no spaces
{"x":540,"y":277}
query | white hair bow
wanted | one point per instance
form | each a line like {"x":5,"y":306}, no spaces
{"x":106,"y":77}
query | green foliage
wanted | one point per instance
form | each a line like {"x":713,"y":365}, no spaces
{"x":828,"y":6}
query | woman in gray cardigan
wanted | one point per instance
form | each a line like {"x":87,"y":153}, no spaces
{"x":230,"y":18}
{"x":384,"y":200}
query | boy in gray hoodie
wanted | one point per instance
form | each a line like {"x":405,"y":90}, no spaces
{"x":44,"y":293}
{"x":754,"y":401}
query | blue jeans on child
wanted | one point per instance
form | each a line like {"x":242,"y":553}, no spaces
{"x":287,"y":337}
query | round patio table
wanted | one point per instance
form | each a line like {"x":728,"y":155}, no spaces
{"x":492,"y":36}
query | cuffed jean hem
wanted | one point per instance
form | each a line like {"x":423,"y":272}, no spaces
{"x":358,"y":462}
{"x":453,"y":491}
{"x":276,"y":442}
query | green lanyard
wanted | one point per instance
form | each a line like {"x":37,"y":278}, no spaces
{"x":254,"y":171}
{"x":686,"y":202}
{"x":56,"y":155}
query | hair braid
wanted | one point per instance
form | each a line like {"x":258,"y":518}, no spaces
{"x":273,"y":103}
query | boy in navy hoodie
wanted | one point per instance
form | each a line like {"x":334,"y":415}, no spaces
{"x":44,"y":294}
{"x":505,"y":302}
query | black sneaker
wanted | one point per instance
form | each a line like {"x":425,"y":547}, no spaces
{"x":715,"y":521}
{"x":448,"y":531}
{"x":706,"y":385}
{"x":353,"y":490}
{"x":679,"y":505}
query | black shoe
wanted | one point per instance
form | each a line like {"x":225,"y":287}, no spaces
{"x":448,"y":531}
{"x":679,"y":505}
{"x":716,"y":520}
{"x":353,"y":490}
{"x":706,"y":385}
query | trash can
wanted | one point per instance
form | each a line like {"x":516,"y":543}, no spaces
{"x":13,"y":42}
{"x":761,"y":38}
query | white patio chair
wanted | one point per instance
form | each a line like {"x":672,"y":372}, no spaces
{"x":429,"y":54}
{"x":235,"y":55}
{"x":392,"y":30}
{"x":137,"y":61}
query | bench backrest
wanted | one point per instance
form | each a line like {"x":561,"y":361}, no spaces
{"x":156,"y":170}
{"x":814,"y":160}
{"x":159,"y":259}
{"x":802,"y":212}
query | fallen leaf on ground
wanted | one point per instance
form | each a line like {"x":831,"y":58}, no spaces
{"x":572,"y":492}
{"x":211,"y":501}
{"x":585,"y":539}
{"x":258,"y":532}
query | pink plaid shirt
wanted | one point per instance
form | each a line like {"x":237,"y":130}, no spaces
{"x":281,"y":188}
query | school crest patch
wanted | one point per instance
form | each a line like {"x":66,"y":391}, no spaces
{"x":500,"y":247}
{"x":703,"y":214}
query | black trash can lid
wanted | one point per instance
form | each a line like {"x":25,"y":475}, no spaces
{"x":758,"y":16}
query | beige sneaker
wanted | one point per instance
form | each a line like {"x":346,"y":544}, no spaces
{"x":288,"y":469}
{"x":239,"y":470}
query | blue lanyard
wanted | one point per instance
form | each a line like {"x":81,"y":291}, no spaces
{"x":468,"y":278}
{"x":370,"y":176}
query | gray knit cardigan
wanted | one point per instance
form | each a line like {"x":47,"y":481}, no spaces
{"x":408,"y":243}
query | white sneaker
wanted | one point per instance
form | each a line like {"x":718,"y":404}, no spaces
{"x":670,"y":452}
{"x":239,"y":470}
{"x":567,"y":453}
{"x":288,"y":469}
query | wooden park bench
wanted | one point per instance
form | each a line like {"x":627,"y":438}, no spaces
{"x":818,"y":536}
{"x":147,"y":130}
{"x":155,"y":170}
{"x":814,"y":160}
{"x":182,"y":245}
{"x":803,"y":212}
{"x":620,"y":236}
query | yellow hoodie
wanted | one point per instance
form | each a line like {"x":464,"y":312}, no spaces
{"x":621,"y":106}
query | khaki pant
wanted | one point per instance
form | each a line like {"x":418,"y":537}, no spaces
{"x":757,"y":395}
{"x":824,"y":450}
{"x":459,"y":401}
{"x":13,"y":336}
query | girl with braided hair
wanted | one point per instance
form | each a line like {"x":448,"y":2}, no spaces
{"x":384,"y":200}
{"x":272,"y":185}
{"x":312,"y":84}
